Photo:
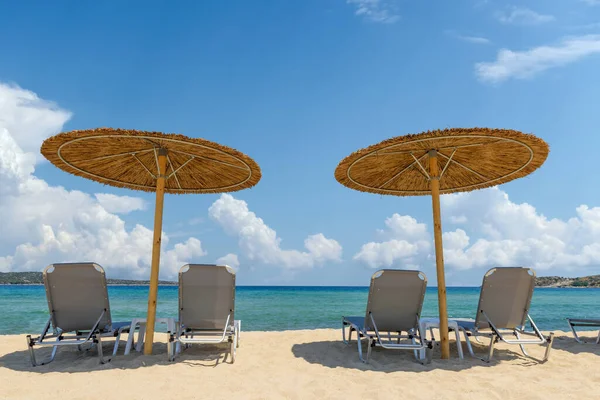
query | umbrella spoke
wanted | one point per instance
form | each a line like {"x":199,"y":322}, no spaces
{"x":385,"y":153}
{"x":245,"y":168}
{"x":173,"y":173}
{"x":143,"y":165}
{"x":464,"y":166}
{"x":472,"y":144}
{"x":454,"y":146}
{"x":422,"y":168}
{"x":404,"y":170}
{"x":448,"y":162}
{"x":117,"y":155}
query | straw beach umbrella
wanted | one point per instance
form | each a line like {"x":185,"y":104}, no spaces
{"x":152,"y":162}
{"x":441,"y":162}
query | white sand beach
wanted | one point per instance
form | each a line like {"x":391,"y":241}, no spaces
{"x":307,"y":364}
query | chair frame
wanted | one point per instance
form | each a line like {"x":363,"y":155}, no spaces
{"x":500,"y":334}
{"x":583,"y":322}
{"x":58,"y":337}
{"x":389,"y":339}
{"x":185,"y":335}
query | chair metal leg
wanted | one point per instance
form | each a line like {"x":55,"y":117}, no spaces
{"x":521,"y":345}
{"x":493,"y":341}
{"x":369,"y":348}
{"x":458,"y":343}
{"x":117,"y":339}
{"x":575,"y":333}
{"x":232,"y":348}
{"x":359,"y":343}
{"x":30,"y":348}
{"x":549,"y":343}
{"x":31,"y":343}
{"x":98,"y":342}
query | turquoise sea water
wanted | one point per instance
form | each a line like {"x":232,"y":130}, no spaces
{"x":23,"y":309}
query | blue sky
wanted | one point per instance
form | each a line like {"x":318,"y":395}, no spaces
{"x":300,"y":85}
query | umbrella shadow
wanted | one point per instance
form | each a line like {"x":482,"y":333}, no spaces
{"x":336,"y":354}
{"x":70,"y":360}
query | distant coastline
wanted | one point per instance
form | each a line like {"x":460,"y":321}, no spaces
{"x":35,"y":278}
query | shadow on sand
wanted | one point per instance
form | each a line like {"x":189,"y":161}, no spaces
{"x":336,"y":354}
{"x":70,"y":360}
{"x":568,"y":344}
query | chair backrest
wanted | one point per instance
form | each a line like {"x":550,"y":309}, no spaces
{"x":206,"y":296}
{"x":77,"y":295}
{"x":395,"y":299}
{"x":505,"y":297}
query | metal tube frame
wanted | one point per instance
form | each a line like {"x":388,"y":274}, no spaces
{"x":94,"y":336}
{"x":588,"y":323}
{"x":497,"y":335}
{"x":184,"y":335}
{"x":375,"y":340}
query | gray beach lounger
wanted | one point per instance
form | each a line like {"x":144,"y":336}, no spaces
{"x":206,"y":308}
{"x":503,"y":311}
{"x":79,"y":310}
{"x":584,"y":323}
{"x":393,"y":307}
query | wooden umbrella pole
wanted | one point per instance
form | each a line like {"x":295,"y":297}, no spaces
{"x":158,"y":217}
{"x":439,"y":251}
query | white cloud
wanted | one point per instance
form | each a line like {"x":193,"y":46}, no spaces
{"x":469,"y":38}
{"x":523,"y":16}
{"x":260,"y":242}
{"x":120,"y":204}
{"x":592,"y":2}
{"x":458,"y":219}
{"x":507,"y":234}
{"x":525,"y":64}
{"x":230,"y":260}
{"x":474,"y":39}
{"x":375,"y":10}
{"x":407,"y":241}
{"x":28,"y":118}
{"x":44,"y":224}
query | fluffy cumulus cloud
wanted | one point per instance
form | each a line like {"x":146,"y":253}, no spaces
{"x":259,"y":242}
{"x":28,"y":118}
{"x":511,"y":64}
{"x":404,"y":242}
{"x":120,"y":204}
{"x":230,"y":260}
{"x":43,"y":224}
{"x":494,"y":232}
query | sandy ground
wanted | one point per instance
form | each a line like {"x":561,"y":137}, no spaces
{"x":300,"y":365}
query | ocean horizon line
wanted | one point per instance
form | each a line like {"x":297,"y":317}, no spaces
{"x":298,"y":286}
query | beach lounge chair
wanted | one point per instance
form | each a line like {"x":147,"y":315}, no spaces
{"x":393,"y":307}
{"x":206,"y":308}
{"x":584,"y":323}
{"x":503,"y":310}
{"x":79,"y":310}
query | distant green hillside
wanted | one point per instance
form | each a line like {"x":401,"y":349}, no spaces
{"x":558,"y":281}
{"x":35,"y":278}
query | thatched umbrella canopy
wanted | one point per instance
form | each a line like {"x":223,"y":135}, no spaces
{"x":152,"y":162}
{"x":440,"y":162}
